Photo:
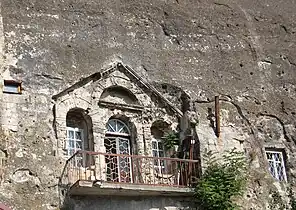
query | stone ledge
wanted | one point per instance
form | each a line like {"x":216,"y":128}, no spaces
{"x":122,"y":189}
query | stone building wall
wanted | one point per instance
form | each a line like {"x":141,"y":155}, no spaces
{"x":125,"y":203}
{"x":242,"y":50}
{"x":88,"y":98}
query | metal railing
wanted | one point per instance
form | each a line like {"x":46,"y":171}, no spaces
{"x":129,"y":169}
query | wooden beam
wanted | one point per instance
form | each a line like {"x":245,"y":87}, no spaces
{"x":217,"y":116}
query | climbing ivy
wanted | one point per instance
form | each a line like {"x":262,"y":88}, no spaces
{"x":223,"y":180}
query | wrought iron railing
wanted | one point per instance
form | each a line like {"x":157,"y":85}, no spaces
{"x":129,"y":169}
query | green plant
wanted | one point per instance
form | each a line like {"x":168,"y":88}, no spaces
{"x":223,"y":180}
{"x":170,"y":139}
{"x":293,"y":204}
{"x":292,"y":199}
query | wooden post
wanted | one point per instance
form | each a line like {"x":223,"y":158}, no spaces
{"x":191,"y":140}
{"x":217,"y":116}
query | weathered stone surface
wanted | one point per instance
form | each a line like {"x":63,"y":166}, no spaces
{"x":125,"y":203}
{"x":242,"y":50}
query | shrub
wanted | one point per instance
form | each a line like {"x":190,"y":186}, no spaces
{"x":223,"y":180}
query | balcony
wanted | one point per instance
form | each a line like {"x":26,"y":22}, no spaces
{"x":96,"y":173}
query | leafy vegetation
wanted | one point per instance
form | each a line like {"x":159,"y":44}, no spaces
{"x":223,"y":180}
{"x":170,"y":139}
{"x":293,"y":204}
{"x":292,"y":199}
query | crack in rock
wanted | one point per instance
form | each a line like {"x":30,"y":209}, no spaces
{"x":280,"y":121}
{"x":167,"y":33}
{"x":48,"y":76}
{"x":221,"y":4}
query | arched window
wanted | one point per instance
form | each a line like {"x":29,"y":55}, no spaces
{"x":79,"y":133}
{"x":158,"y":149}
{"x":117,"y":127}
{"x":158,"y":130}
{"x":117,"y":141}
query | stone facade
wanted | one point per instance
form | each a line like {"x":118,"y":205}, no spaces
{"x":90,"y":96}
{"x":184,"y":52}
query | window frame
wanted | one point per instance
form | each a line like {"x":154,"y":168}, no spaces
{"x":67,"y":144}
{"x":160,"y":168}
{"x":273,"y":160}
{"x":118,"y":137}
{"x":8,"y":84}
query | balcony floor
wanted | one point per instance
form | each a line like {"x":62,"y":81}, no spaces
{"x":126,"y":189}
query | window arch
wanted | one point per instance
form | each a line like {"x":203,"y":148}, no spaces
{"x":158,"y":130}
{"x":117,"y":141}
{"x":119,"y":94}
{"x":117,"y":127}
{"x":78,"y":133}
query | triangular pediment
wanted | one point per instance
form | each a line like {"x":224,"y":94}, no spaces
{"x":107,"y":80}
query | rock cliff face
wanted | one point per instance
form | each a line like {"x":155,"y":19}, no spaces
{"x":242,"y":50}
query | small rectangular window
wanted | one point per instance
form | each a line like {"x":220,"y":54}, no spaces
{"x":11,"y":86}
{"x":276,"y":164}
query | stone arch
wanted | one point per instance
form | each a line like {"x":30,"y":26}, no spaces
{"x":118,"y":140}
{"x":79,"y":130}
{"x":131,"y":135}
{"x":119,"y":94}
{"x":64,"y":106}
{"x":270,"y":130}
{"x":159,"y":145}
{"x":159,"y":128}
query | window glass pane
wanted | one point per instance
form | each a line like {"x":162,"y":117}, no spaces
{"x":124,"y":130}
{"x":279,"y":169}
{"x":117,"y":126}
{"x":71,"y":134}
{"x":154,"y":145}
{"x":10,"y":88}
{"x":78,"y":145}
{"x":271,"y":168}
{"x":111,"y":126}
{"x":160,"y":145}
{"x":124,"y":147}
{"x":78,"y":135}
{"x":155,"y":153}
{"x":276,"y":165}
{"x":276,"y":156}
{"x":161,"y":154}
{"x":71,"y":144}
{"x":269,"y":155}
